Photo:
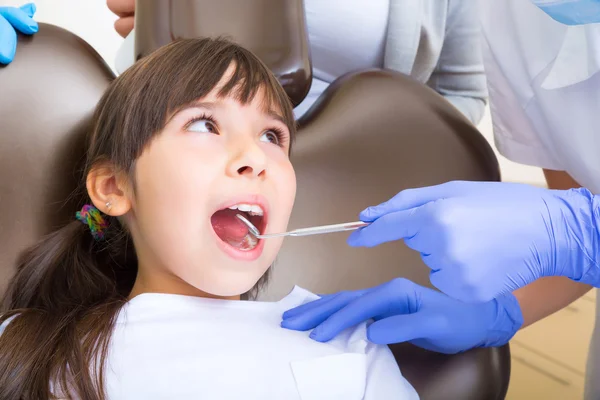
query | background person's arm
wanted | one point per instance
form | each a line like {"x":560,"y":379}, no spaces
{"x":546,"y":296}
{"x":459,"y":75}
{"x":124,"y":9}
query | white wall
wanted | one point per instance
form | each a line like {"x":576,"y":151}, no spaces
{"x":93,"y":22}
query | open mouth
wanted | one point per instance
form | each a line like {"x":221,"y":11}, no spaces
{"x":234,"y":232}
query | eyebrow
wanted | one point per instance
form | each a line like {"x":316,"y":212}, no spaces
{"x":276,"y":116}
{"x":209,"y":105}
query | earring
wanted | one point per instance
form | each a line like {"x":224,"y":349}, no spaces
{"x":108,"y":205}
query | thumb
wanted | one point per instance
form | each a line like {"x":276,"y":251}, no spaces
{"x":403,"y":328}
{"x":411,"y":198}
{"x":8,"y":44}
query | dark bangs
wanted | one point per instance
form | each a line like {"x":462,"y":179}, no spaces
{"x":140,"y":101}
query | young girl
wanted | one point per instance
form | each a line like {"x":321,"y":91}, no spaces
{"x":138,"y":297}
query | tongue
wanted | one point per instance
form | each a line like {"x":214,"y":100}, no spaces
{"x":227,"y":226}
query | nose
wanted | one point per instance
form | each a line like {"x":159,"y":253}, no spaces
{"x":249,"y":160}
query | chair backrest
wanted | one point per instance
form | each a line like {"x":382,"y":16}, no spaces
{"x":49,"y":93}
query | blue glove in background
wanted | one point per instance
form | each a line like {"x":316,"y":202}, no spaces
{"x":484,"y":239}
{"x":13,"y":19}
{"x":571,"y":12}
{"x":406,"y":312}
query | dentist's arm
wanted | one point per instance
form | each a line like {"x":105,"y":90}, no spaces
{"x":546,"y":296}
{"x":485,"y":239}
{"x":406,"y":312}
{"x":459,"y":75}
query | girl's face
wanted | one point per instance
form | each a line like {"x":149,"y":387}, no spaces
{"x":213,"y":159}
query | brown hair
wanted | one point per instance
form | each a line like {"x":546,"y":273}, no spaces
{"x":69,"y":288}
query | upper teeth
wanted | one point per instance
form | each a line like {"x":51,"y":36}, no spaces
{"x":252,"y":209}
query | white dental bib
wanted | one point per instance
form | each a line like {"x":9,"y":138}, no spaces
{"x":181,"y":347}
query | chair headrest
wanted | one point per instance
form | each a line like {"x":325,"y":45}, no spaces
{"x":274,"y":30}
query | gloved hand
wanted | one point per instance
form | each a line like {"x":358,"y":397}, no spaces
{"x":14,"y":19}
{"x":484,"y":239}
{"x":406,"y":312}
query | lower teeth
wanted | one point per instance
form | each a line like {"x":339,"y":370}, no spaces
{"x":249,"y":242}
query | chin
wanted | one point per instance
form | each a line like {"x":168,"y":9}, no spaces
{"x":222,"y":283}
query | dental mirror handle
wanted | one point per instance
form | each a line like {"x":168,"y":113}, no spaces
{"x":315,"y":230}
{"x":319,"y":230}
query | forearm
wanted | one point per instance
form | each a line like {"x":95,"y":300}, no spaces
{"x":471,"y":107}
{"x":546,"y":296}
{"x":460,"y":74}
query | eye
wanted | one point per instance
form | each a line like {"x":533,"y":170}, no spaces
{"x":270,"y":136}
{"x":202,"y":124}
{"x":273,"y":136}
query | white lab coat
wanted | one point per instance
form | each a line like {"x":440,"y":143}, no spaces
{"x":544,"y":90}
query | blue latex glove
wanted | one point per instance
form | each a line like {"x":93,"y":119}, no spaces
{"x":483,"y":239}
{"x":406,"y":312}
{"x":13,"y":19}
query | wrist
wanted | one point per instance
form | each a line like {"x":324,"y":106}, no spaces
{"x":506,"y":320}
{"x":577,"y":236}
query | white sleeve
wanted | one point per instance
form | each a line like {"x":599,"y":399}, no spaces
{"x":509,"y":59}
{"x":514,"y":134}
{"x":384,"y":379}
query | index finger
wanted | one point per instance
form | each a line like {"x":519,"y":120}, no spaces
{"x":417,"y":197}
{"x":370,"y":305}
{"x":405,"y":200}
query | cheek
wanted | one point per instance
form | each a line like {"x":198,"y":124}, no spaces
{"x":178,"y":173}
{"x":291,"y":188}
{"x":173,"y":187}
{"x":286,"y":187}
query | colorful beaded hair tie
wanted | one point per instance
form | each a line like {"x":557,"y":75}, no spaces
{"x":91,"y":216}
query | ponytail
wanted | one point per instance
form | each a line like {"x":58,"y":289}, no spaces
{"x":63,"y":302}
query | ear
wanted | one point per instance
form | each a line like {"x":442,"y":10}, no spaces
{"x":108,"y":189}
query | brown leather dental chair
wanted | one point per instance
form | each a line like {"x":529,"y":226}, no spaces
{"x":372,"y":134}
